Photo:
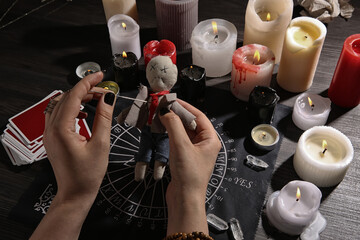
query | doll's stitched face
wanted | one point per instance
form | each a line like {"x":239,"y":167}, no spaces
{"x":161,"y":73}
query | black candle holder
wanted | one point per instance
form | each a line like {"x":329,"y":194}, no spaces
{"x":262,"y":103}
{"x":192,"y":85}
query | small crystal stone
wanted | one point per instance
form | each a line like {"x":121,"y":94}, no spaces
{"x":236,"y":229}
{"x":255,"y":163}
{"x":217,"y":222}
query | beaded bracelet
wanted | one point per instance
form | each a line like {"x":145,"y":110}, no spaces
{"x":189,"y":236}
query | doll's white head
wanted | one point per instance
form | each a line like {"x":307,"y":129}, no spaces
{"x":161,"y":73}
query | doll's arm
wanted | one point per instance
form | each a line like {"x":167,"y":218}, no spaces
{"x":186,"y":117}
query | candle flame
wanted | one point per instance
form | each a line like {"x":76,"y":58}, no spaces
{"x":214,"y":26}
{"x":268,"y":17}
{"x":311,"y":104}
{"x":298,"y":194}
{"x":124,"y":54}
{"x":191,"y":66}
{"x":257,"y":55}
{"x":123,"y":25}
{"x":324,"y":146}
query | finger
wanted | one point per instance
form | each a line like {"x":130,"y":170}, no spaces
{"x":51,"y":115}
{"x":70,"y":108}
{"x":103,"y":119}
{"x":175,"y":128}
{"x":202,"y":121}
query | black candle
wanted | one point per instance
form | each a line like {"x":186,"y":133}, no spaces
{"x":262,"y":102}
{"x":126,"y":70}
{"x":192,"y":84}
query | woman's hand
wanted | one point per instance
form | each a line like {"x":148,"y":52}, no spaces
{"x":192,"y":159}
{"x":79,"y":164}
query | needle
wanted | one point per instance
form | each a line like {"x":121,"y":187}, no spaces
{"x":135,"y":99}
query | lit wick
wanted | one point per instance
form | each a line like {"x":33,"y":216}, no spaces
{"x":214,"y":26}
{"x":123,"y":25}
{"x":263,"y":135}
{"x":324,"y":146}
{"x":268,"y":17}
{"x":311,"y":104}
{"x":256,"y":56}
{"x":298,"y":194}
{"x":88,"y":72}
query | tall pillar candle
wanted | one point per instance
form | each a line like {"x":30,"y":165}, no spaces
{"x":176,"y":21}
{"x":124,"y":35}
{"x":250,"y":69}
{"x":303,"y":42}
{"x":323,"y":155}
{"x":113,"y":7}
{"x":344,"y":88}
{"x":266,"y":22}
{"x":213,"y":43}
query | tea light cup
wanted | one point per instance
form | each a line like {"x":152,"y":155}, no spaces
{"x":265,"y":137}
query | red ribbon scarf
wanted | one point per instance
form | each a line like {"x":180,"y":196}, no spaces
{"x":154,"y":103}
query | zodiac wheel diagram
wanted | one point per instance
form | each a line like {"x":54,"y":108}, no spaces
{"x":142,"y":203}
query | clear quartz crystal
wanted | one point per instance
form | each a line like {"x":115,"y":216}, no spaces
{"x":255,"y":163}
{"x":217,"y":222}
{"x":236,"y":229}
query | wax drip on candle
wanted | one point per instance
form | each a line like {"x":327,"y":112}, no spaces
{"x":324,"y":146}
{"x":214,"y":26}
{"x":311,"y":104}
{"x":123,"y":25}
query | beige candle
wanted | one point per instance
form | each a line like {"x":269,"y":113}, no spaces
{"x":300,"y":55}
{"x":266,"y":22}
{"x":127,"y":7}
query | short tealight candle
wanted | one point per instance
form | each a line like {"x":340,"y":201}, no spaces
{"x":265,"y":137}
{"x":323,"y":155}
{"x":213,"y":43}
{"x":311,"y":110}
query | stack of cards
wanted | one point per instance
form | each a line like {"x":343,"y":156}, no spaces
{"x":22,"y":138}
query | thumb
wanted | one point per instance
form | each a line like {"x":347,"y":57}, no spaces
{"x":175,"y":128}
{"x":103,"y":119}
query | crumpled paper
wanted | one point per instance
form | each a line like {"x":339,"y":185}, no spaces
{"x":326,"y":10}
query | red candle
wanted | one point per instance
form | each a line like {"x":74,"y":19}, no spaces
{"x":163,"y":48}
{"x":344,"y":88}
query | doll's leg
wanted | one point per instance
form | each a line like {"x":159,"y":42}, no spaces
{"x":161,"y":155}
{"x":143,"y":157}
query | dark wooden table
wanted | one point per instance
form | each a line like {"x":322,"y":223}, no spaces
{"x":40,"y":52}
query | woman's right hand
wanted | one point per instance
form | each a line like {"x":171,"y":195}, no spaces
{"x":192,"y":159}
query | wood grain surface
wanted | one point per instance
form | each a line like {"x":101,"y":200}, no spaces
{"x":40,"y":52}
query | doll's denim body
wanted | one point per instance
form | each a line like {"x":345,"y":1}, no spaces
{"x":152,"y":145}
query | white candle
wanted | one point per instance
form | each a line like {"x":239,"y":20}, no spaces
{"x":249,"y":71}
{"x":303,"y":42}
{"x":266,"y":22}
{"x":322,"y":167}
{"x":124,"y":35}
{"x":265,"y":136}
{"x":292,"y":213}
{"x":213,"y":43}
{"x":310,"y":110}
{"x":127,"y":7}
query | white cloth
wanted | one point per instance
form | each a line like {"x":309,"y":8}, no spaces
{"x":326,"y":10}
